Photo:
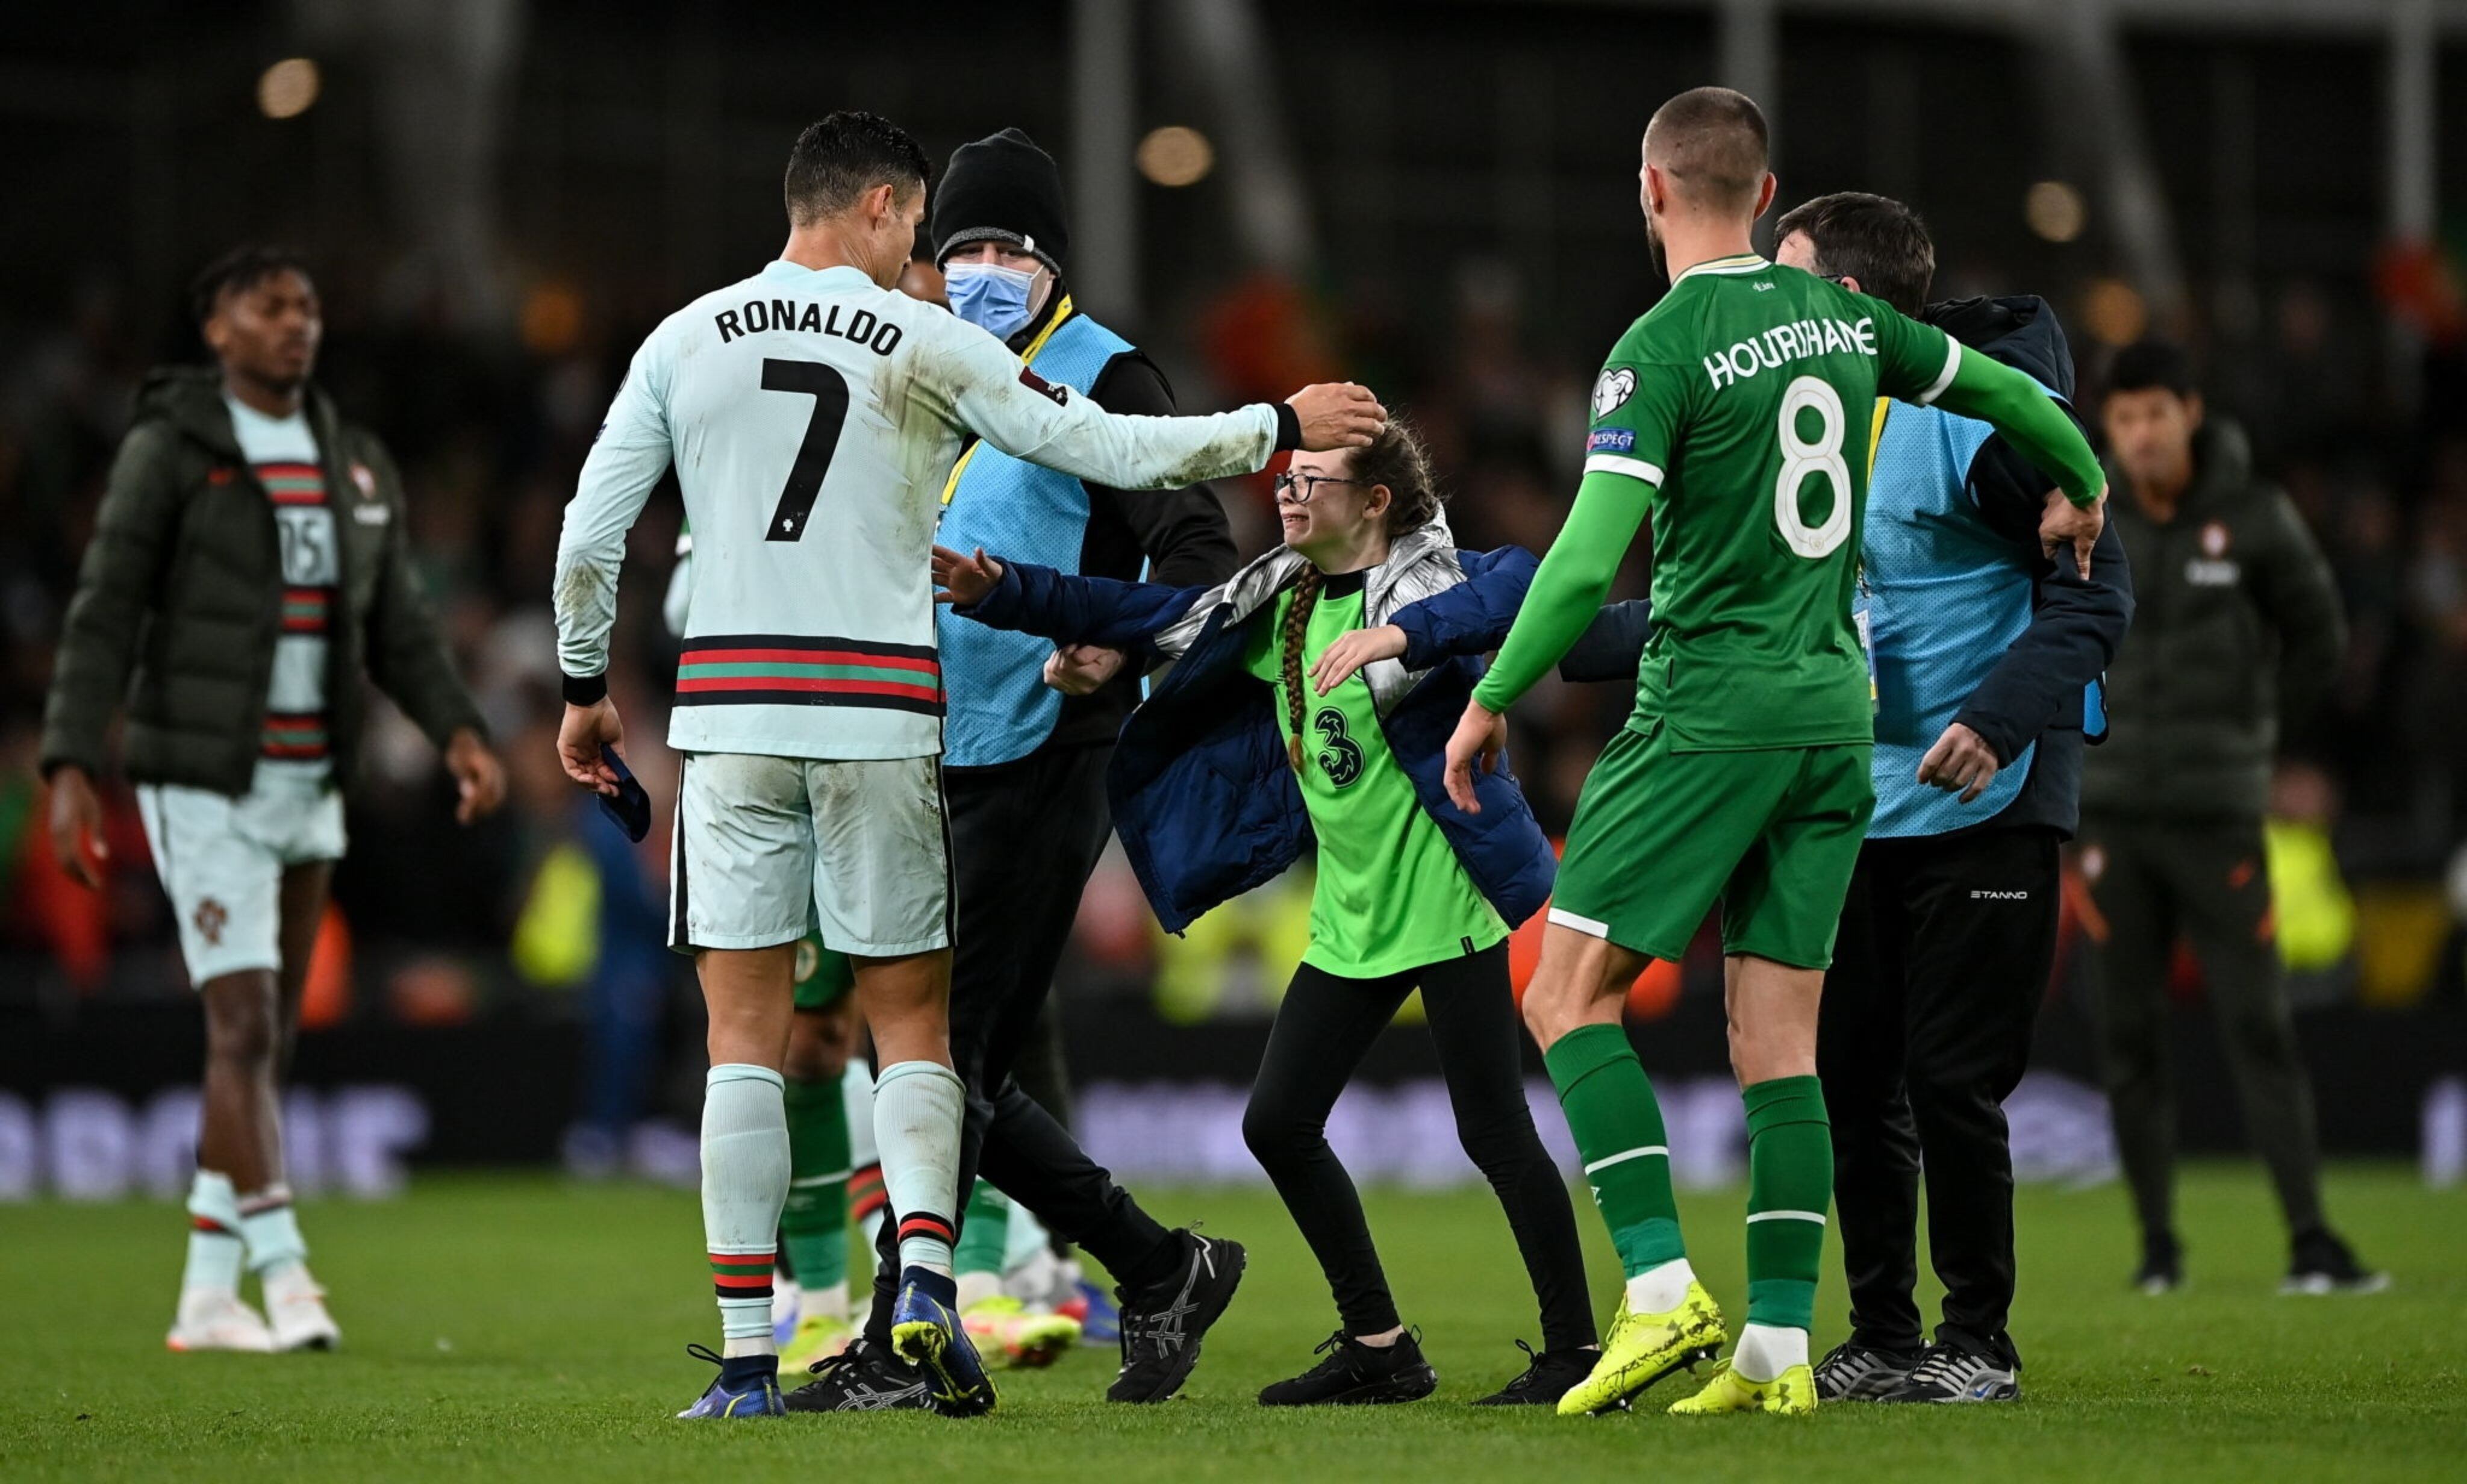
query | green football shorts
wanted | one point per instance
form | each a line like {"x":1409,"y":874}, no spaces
{"x":1660,"y":835}
{"x":824,"y":976}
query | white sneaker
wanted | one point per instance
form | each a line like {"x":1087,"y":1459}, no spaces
{"x":216,"y":1320}
{"x":295,"y":1307}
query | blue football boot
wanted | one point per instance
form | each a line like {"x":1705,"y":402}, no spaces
{"x":926,"y":1331}
{"x":747,"y":1387}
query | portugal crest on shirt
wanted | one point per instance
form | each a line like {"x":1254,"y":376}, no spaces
{"x":1612,"y":391}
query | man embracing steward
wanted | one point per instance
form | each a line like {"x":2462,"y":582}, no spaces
{"x":1985,"y":647}
{"x":1024,"y":779}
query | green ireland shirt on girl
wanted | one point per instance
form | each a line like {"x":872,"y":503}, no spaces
{"x":1391,"y":894}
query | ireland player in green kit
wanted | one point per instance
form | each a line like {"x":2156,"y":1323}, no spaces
{"x":1734,"y":414}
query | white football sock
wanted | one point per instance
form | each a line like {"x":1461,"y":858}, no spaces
{"x":917,"y":1111}
{"x":831,"y":1303}
{"x":1660,"y":1289}
{"x":1039,"y":1280}
{"x":856,"y":1087}
{"x":975,"y":1288}
{"x":1024,"y":1238}
{"x":857,"y":1084}
{"x":216,"y":1246}
{"x":1767,"y":1350}
{"x":272,"y":1230}
{"x":744,"y":1185}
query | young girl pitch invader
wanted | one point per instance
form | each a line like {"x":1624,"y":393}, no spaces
{"x":1313,"y":694}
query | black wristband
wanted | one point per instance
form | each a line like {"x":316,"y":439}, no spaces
{"x":586,"y":689}
{"x":1289,"y":428}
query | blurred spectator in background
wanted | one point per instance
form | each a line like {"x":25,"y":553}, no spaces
{"x":2350,"y":368}
{"x":589,"y":923}
{"x":2238,"y":625}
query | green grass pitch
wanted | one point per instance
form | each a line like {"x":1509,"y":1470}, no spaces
{"x":523,"y":1328}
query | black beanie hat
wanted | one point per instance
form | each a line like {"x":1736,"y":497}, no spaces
{"x":1005,"y":189}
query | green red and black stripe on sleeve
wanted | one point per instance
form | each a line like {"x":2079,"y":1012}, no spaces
{"x":783,"y":669}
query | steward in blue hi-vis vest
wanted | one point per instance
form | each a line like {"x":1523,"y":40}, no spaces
{"x":1964,"y":619}
{"x":998,"y":707}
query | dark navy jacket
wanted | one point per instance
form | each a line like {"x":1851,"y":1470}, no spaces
{"x":2036,"y":691}
{"x":1203,"y":793}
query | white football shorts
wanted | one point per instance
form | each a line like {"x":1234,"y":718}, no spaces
{"x":767,"y":845}
{"x":221,"y":862}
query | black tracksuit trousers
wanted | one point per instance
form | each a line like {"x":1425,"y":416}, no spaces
{"x":1325,"y":1028}
{"x":1024,"y":838}
{"x":1944,"y":953}
{"x":2150,"y":881}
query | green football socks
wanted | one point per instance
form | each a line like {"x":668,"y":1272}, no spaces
{"x":1618,"y":1123}
{"x":1790,"y":1180}
{"x":814,"y":1225}
{"x":984,"y":1232}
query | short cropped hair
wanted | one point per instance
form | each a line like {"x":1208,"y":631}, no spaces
{"x":2152,"y":363}
{"x":844,"y":156}
{"x":1872,"y":238}
{"x":236,"y":272}
{"x":1712,"y":140}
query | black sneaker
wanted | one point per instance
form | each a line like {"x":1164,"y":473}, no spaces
{"x":1546,"y":1380}
{"x":2162,"y":1265}
{"x":1358,"y":1375}
{"x":1956,"y":1373}
{"x":864,"y":1378}
{"x":1854,"y":1372}
{"x":1164,"y":1324}
{"x":2322,"y":1264}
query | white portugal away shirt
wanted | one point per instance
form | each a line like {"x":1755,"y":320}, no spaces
{"x":812,"y":417}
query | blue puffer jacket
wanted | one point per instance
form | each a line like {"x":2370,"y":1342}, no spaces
{"x":1203,"y":793}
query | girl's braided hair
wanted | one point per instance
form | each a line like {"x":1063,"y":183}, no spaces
{"x":1397,"y":460}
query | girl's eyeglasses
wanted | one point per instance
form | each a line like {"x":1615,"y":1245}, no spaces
{"x":1299,"y":488}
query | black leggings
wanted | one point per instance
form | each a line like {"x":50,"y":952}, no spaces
{"x":1322,"y":1031}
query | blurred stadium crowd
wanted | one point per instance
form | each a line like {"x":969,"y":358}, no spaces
{"x":2347,"y":370}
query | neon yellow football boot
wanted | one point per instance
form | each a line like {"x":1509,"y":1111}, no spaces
{"x":1791,"y":1394}
{"x":1025,"y":1337}
{"x":1643,"y":1348}
{"x":816,"y":1339}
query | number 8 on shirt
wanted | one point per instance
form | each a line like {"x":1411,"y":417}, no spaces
{"x":1743,"y":772}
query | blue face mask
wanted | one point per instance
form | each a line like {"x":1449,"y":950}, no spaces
{"x":991,"y":297}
